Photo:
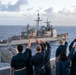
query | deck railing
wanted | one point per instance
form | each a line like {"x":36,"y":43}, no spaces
{"x":6,"y":70}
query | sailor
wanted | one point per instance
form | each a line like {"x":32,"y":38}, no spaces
{"x":18,"y":61}
{"x":46,"y":48}
{"x":72,"y":56}
{"x":38,"y":61}
{"x":61,"y":48}
{"x":71,"y":45}
{"x":63,"y":65}
{"x":28,"y":66}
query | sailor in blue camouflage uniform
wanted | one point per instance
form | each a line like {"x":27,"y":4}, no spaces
{"x":61,"y":48}
{"x":18,"y":62}
{"x":46,"y":48}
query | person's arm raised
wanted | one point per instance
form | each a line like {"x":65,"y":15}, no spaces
{"x":70,"y":55}
{"x":37,"y":41}
{"x":28,"y":50}
{"x":46,"y":43}
{"x":29,"y":42}
{"x":65,"y":37}
{"x":66,"y":41}
{"x":40,"y":42}
{"x":71,"y":45}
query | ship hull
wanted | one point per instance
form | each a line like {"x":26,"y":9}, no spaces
{"x":25,"y":41}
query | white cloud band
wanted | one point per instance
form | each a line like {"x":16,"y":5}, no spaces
{"x":12,"y":7}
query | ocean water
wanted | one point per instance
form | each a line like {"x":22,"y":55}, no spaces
{"x":8,"y":31}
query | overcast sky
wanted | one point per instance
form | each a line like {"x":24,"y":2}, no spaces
{"x":22,"y":12}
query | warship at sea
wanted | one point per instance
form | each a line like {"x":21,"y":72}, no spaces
{"x":46,"y":33}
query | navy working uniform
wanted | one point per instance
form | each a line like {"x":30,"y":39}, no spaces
{"x":63,"y":67}
{"x":72,"y":56}
{"x":38,"y":62}
{"x":71,"y":46}
{"x":47,"y":54}
{"x":28,"y":66}
{"x":61,"y":48}
{"x":18,"y":62}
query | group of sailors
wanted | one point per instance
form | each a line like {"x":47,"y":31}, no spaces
{"x":39,"y":64}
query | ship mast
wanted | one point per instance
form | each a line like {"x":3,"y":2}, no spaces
{"x":37,"y":21}
{"x":47,"y":22}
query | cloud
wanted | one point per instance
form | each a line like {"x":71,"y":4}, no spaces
{"x":74,"y":8}
{"x":64,"y":12}
{"x":49,"y":10}
{"x":62,"y":17}
{"x":67,"y":13}
{"x":12,"y":7}
{"x":29,"y":9}
{"x":2,"y":7}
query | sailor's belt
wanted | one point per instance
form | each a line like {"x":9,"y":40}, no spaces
{"x":21,"y":69}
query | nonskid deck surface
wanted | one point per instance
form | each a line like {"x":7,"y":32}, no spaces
{"x":5,"y":68}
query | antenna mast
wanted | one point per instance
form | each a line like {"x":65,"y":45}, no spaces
{"x":37,"y":21}
{"x":47,"y":22}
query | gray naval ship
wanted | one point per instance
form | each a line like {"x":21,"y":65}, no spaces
{"x":46,"y":33}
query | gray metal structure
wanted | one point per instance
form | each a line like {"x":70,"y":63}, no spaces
{"x":48,"y":33}
{"x":38,"y":20}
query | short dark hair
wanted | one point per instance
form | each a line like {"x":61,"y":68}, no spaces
{"x":20,"y":48}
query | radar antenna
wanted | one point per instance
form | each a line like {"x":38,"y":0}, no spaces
{"x":47,"y":22}
{"x":37,"y":21}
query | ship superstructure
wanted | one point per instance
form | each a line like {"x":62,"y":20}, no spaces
{"x":48,"y":33}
